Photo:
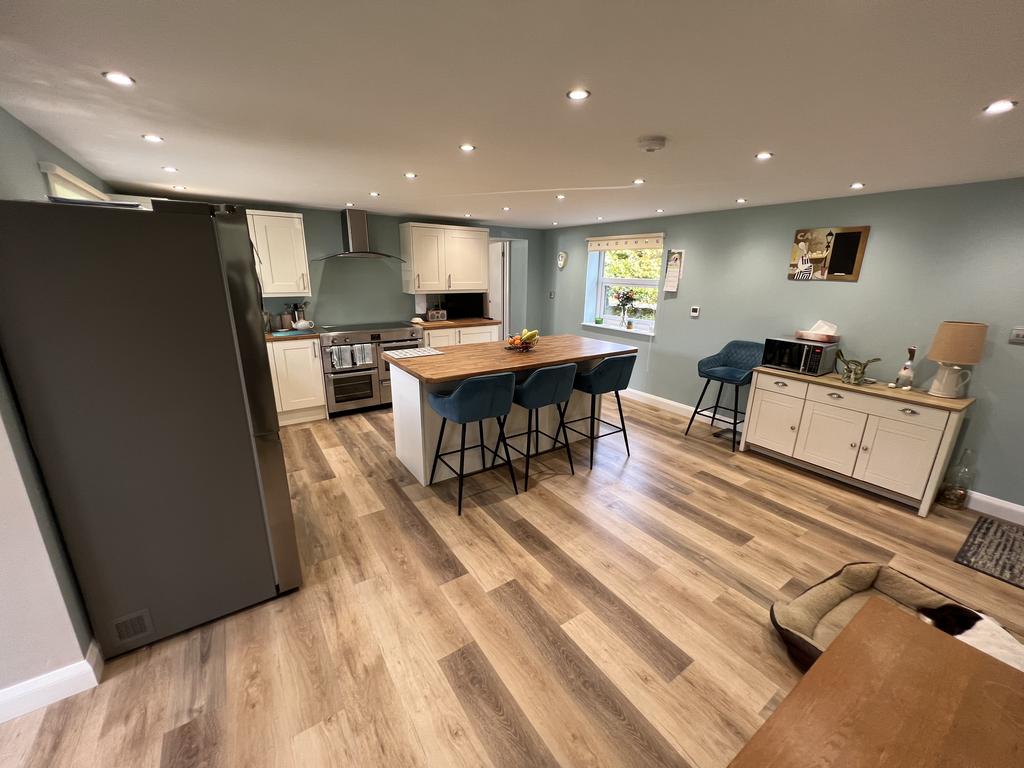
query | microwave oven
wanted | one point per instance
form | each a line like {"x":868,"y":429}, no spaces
{"x":811,"y":357}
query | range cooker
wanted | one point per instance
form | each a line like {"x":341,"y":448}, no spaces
{"x":356,"y":374}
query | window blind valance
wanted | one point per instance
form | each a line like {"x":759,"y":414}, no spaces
{"x":626,"y":242}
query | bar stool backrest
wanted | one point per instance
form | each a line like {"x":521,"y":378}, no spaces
{"x":481,"y":397}
{"x":610,"y":375}
{"x":546,"y":386}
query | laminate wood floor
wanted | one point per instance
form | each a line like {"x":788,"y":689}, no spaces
{"x":614,"y":618}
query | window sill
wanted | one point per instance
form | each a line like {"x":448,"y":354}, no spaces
{"x":618,"y":329}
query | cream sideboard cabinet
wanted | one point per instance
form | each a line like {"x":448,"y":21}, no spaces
{"x":441,"y":258}
{"x":885,"y":440}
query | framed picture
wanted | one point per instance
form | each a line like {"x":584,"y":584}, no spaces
{"x":828,"y":253}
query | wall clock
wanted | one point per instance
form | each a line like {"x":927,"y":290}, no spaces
{"x":562,"y":258}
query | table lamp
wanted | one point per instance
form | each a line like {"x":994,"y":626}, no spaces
{"x":956,"y":343}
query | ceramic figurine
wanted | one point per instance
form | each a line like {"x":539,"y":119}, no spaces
{"x":905,"y":378}
{"x":853,"y":370}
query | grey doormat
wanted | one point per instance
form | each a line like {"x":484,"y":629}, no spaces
{"x":995,"y":547}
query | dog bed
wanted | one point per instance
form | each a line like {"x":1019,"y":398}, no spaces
{"x":811,"y":621}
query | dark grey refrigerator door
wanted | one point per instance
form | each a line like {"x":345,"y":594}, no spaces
{"x":136,"y":412}
{"x":246,"y":299}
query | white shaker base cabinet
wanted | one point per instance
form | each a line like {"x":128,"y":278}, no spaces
{"x":894,"y":443}
{"x":298,"y":380}
{"x":279,"y":242}
{"x":897,"y":456}
{"x":450,"y":337}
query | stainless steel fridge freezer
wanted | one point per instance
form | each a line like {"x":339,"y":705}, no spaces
{"x":134,"y":345}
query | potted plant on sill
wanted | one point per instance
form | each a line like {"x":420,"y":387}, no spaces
{"x":624,"y":299}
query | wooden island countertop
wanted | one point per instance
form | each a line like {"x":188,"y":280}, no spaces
{"x":466,"y":360}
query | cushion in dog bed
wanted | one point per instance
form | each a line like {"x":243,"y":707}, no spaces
{"x":811,"y":621}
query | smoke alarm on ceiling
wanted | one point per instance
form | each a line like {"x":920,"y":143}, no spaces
{"x":651,"y":143}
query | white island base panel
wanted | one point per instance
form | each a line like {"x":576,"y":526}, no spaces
{"x":417,"y":426}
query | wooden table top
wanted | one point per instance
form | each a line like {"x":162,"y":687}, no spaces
{"x":466,"y":360}
{"x":916,"y":396}
{"x":465,"y":322}
{"x":893,"y":692}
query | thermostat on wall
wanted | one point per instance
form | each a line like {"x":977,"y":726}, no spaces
{"x":694,"y":311}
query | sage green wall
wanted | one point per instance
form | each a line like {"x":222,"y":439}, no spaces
{"x":947,"y":253}
{"x":43,"y":625}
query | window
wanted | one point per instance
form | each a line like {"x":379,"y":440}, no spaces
{"x":634,"y":272}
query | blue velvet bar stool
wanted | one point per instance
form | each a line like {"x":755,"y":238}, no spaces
{"x":545,"y":386}
{"x":475,"y":399}
{"x":610,"y":375}
{"x":734,"y":364}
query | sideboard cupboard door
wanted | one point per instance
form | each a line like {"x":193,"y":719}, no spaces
{"x":897,"y":456}
{"x":774,"y":421}
{"x":830,"y":437}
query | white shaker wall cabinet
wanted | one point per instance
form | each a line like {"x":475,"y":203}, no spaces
{"x":441,"y":258}
{"x":280,"y":245}
{"x":298,"y":380}
{"x":892,"y":442}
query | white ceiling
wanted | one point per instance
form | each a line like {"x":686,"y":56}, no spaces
{"x":318,"y":103}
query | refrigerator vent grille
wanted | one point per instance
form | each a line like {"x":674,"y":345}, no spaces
{"x":132,"y":626}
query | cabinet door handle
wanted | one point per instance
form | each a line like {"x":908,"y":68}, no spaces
{"x":792,"y":429}
{"x":780,"y":384}
{"x":305,"y":283}
{"x":864,"y":448}
{"x":909,"y":411}
{"x":835,"y":395}
{"x":417,"y":280}
{"x":853,"y":445}
{"x":449,"y":279}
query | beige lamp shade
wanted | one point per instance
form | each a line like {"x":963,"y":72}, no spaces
{"x":958,"y":343}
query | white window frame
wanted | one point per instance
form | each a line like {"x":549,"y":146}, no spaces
{"x":602,"y":281}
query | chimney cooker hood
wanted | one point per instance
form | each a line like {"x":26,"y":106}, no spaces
{"x":355,"y":239}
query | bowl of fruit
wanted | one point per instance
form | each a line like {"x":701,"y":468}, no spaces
{"x":523,"y":342}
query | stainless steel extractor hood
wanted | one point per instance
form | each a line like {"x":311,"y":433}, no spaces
{"x":355,"y":238}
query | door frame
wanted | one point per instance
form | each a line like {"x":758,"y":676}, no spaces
{"x":506,"y":248}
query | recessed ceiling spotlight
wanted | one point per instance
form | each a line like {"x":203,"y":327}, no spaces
{"x":170,"y":169}
{"x":660,"y":210}
{"x":638,"y":182}
{"x":179,"y":187}
{"x":578,"y":94}
{"x":554,"y":223}
{"x":350,"y":205}
{"x":559,"y":197}
{"x":467,"y":147}
{"x":506,"y":208}
{"x":468,"y":215}
{"x":375,"y":194}
{"x":741,"y":200}
{"x":600,"y":218}
{"x":999,"y":107}
{"x":858,"y":185}
{"x":119,"y":78}
{"x":764,"y":155}
{"x":152,"y":138}
{"x":410,"y":175}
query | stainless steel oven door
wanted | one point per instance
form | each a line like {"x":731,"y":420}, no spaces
{"x":391,"y":346}
{"x":348,"y":391}
{"x":349,"y":358}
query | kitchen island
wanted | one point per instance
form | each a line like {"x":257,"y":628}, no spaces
{"x":417,"y":425}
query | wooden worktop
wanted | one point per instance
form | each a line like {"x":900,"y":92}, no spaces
{"x":466,"y":360}
{"x":916,"y":396}
{"x":891,"y":692}
{"x":465,"y":322}
{"x":293,"y":336}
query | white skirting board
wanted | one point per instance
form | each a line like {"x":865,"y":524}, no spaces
{"x":979,"y":502}
{"x":993,"y":507}
{"x":681,"y":409}
{"x":21,"y":698}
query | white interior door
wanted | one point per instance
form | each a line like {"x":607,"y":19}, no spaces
{"x":497,"y":284}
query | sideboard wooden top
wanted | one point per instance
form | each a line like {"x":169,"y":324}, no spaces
{"x":466,"y":360}
{"x":916,"y":396}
